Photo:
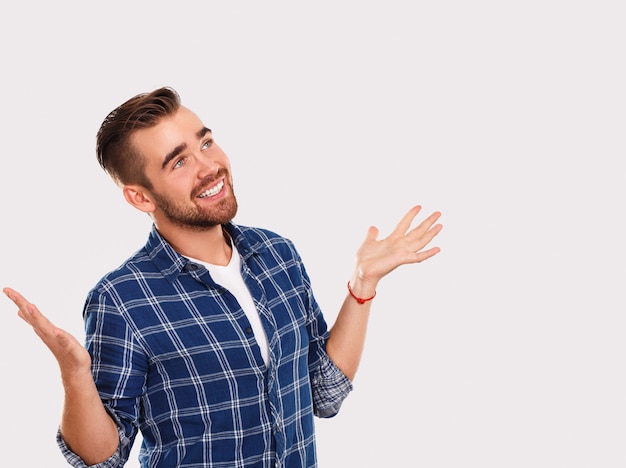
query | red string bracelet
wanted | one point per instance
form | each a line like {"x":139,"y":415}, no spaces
{"x":360,"y":300}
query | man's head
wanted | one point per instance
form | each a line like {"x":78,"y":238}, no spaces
{"x":115,"y":152}
{"x":167,"y":163}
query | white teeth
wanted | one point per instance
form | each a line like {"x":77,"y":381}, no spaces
{"x":212,"y":191}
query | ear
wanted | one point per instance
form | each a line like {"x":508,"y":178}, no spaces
{"x":139,"y":197}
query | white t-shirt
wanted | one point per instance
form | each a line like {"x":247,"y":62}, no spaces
{"x":230,"y":277}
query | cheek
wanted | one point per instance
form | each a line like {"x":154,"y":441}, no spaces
{"x":225,"y":163}
{"x":176,"y":186}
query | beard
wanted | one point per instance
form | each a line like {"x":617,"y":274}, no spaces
{"x":193,"y":217}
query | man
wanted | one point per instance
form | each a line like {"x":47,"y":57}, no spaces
{"x":208,"y":340}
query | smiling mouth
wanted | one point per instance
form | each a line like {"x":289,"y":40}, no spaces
{"x":213,"y":190}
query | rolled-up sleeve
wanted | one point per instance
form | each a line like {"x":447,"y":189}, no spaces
{"x":330,"y":387}
{"x":118,"y":368}
{"x":118,"y":459}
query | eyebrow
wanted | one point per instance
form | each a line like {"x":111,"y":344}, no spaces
{"x":180,"y":148}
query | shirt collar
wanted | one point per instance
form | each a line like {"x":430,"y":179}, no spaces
{"x":170,"y":263}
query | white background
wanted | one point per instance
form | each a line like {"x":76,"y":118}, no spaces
{"x":505,"y":350}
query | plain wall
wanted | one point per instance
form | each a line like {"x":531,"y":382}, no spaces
{"x":505,"y":350}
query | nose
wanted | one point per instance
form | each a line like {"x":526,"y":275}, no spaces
{"x":207,"y":166}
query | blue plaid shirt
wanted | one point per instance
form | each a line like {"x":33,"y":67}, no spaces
{"x":174,"y":357}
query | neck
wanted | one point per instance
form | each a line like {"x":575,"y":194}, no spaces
{"x":210,"y":245}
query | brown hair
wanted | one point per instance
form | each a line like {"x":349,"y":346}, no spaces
{"x":115,"y":153}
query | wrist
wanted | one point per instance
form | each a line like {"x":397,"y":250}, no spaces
{"x":363,"y":286}
{"x":77,"y":377}
{"x":360,"y":297}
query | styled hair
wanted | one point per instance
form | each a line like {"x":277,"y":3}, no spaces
{"x":116,"y":154}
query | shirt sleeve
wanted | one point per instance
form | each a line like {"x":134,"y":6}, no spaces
{"x":329,"y":385}
{"x":115,"y":461}
{"x":118,"y":368}
{"x":330,"y":388}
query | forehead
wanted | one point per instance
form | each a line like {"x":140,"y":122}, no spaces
{"x":179,"y":129}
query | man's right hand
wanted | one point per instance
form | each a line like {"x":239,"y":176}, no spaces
{"x":72,"y":357}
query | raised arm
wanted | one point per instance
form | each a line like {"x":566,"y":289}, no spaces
{"x":86,"y":427}
{"x":375,"y":259}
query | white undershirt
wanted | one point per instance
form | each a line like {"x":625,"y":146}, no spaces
{"x":230,"y":277}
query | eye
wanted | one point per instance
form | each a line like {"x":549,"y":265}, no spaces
{"x":207,"y":144}
{"x":179,"y":163}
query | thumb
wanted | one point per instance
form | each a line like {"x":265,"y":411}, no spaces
{"x":372,"y":234}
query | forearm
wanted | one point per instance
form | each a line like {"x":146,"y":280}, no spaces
{"x":375,"y":259}
{"x":87,"y":428}
{"x":347,"y":335}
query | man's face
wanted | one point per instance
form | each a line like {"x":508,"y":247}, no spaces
{"x":190,"y":174}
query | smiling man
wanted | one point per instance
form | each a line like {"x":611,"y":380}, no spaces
{"x":208,"y":340}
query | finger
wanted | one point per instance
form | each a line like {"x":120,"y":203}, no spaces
{"x":20,"y":301}
{"x":425,"y":239}
{"x":406,"y":221}
{"x":425,"y":226}
{"x":12,"y":294}
{"x":421,"y":256}
{"x":416,"y":244}
{"x":29,"y":312}
{"x":16,"y":297}
{"x":372,"y":234}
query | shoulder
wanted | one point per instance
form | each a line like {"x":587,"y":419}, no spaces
{"x":134,"y":267}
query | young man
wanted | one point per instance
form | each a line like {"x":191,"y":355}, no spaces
{"x":208,"y":340}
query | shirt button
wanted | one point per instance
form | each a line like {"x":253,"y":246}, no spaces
{"x":248,"y":330}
